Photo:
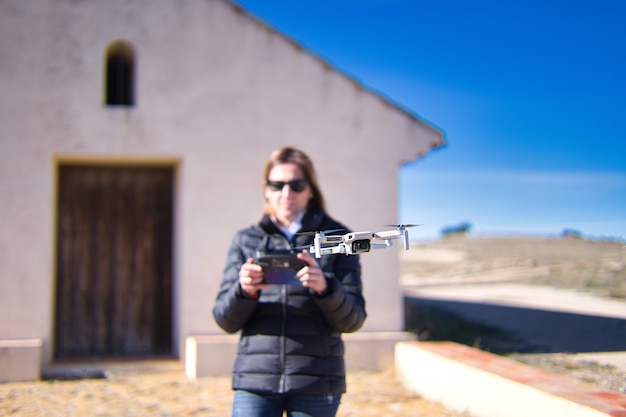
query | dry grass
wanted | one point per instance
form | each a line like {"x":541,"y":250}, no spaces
{"x":598,"y":267}
{"x":170,"y":393}
{"x":606,"y":376}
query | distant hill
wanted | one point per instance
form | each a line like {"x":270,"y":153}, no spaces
{"x":570,"y":262}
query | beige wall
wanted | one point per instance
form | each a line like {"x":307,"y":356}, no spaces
{"x":217,"y":90}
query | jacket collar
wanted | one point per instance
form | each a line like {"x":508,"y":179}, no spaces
{"x":310,"y":222}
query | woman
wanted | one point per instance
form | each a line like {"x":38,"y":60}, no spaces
{"x":290,"y":355}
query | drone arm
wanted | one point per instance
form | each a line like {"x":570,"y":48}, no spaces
{"x":385,"y":245}
{"x":389,"y":234}
{"x":341,"y":248}
{"x":316,"y":246}
{"x":395,"y":234}
{"x":329,"y":250}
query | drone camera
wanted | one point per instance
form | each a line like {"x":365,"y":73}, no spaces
{"x":361,"y":246}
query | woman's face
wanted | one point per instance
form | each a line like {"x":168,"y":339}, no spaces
{"x":287,"y":203}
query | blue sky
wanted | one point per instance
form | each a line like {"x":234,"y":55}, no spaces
{"x":531,"y":97}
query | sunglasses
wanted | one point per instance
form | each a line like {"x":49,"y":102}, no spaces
{"x":296,"y":185}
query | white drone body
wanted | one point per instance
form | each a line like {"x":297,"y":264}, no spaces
{"x":354,"y":243}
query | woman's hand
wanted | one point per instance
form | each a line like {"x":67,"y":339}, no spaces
{"x":312,"y":275}
{"x":251,"y":278}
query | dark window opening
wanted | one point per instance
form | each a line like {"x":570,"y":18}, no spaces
{"x":120,"y":74}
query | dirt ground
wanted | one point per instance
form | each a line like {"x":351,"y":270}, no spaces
{"x":170,"y":393}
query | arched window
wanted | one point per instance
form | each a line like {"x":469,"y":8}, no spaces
{"x":120,"y":74}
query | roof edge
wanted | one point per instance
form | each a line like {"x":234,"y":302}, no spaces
{"x":355,"y":80}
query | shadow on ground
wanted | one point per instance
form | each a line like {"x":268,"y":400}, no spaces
{"x":504,"y":329}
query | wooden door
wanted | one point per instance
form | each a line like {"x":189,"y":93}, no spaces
{"x":114,"y":262}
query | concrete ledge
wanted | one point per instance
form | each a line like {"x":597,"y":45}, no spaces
{"x":372,"y":351}
{"x":487,"y":385}
{"x":210,"y":355}
{"x":20,"y":360}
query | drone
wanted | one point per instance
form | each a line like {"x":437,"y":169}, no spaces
{"x":354,"y":243}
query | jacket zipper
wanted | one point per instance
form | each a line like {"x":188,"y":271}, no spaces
{"x":282,"y":340}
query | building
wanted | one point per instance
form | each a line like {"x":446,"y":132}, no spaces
{"x":132,"y":140}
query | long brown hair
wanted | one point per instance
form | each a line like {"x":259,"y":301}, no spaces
{"x":288,"y":155}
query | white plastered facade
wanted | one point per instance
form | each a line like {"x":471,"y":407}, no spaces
{"x":216,"y":91}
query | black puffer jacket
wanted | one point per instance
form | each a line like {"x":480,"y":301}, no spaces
{"x":290,"y":336}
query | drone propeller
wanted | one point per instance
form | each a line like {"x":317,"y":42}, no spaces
{"x":403,"y":226}
{"x":325,"y":232}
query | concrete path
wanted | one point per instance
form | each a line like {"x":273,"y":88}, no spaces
{"x":530,"y":296}
{"x":514,"y":317}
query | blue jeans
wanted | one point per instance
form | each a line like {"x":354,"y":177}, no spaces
{"x":250,"y":404}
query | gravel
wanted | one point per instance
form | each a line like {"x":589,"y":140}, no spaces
{"x":601,"y":375}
